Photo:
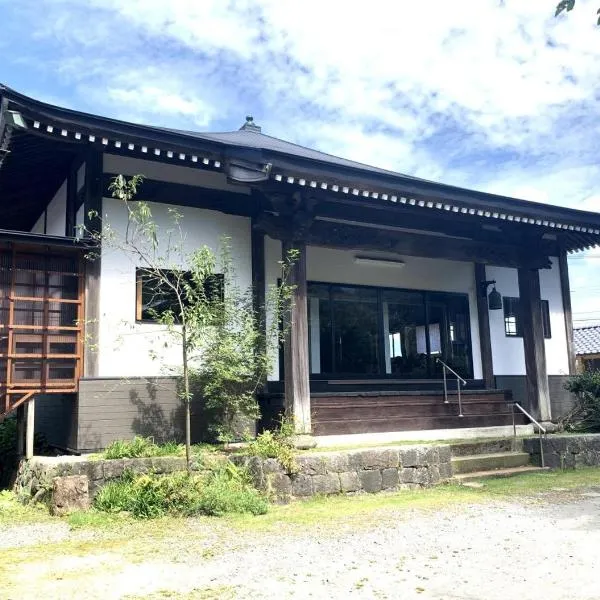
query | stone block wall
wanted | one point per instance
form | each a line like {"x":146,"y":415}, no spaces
{"x":566,"y":451}
{"x":369,"y":470}
{"x":320,"y":473}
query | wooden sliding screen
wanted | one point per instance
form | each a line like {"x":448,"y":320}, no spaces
{"x":41,"y":329}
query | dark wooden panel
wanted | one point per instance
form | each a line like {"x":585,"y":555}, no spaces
{"x":385,"y":424}
{"x":538,"y":396}
{"x":565,"y":288}
{"x":296,"y":370}
{"x":356,"y":413}
{"x":350,"y":236}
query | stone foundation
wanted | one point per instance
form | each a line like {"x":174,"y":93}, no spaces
{"x":321,"y":473}
{"x":370,"y":470}
{"x":566,"y":451}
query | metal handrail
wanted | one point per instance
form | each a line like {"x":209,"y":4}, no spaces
{"x":459,"y":380}
{"x":541,"y":429}
{"x":451,"y":371}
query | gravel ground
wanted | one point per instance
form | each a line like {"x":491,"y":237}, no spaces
{"x":527,"y":549}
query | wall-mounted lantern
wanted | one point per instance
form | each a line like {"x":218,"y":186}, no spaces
{"x":494,"y":298}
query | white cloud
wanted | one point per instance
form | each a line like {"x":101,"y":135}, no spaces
{"x":495,"y":95}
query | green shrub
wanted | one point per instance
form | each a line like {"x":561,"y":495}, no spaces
{"x":142,"y":447}
{"x":585,"y":415}
{"x":277,"y":444}
{"x":8,"y":449}
{"x":225,"y":490}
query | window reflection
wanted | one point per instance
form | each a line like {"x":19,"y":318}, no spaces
{"x":357,"y":330}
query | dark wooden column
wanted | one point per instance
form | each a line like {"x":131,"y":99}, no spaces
{"x":565,"y":288}
{"x":533,"y":342}
{"x":296,"y":371}
{"x":92,"y":206}
{"x":485,"y":339}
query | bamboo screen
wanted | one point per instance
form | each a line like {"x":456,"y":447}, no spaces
{"x":41,"y":313}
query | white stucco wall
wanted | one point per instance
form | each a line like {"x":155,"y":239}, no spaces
{"x":57,"y":212}
{"x":338,"y":266}
{"x":54,"y":215}
{"x":507,"y":352}
{"x":124,"y":346}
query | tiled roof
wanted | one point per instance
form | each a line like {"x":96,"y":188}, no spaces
{"x":587,"y":340}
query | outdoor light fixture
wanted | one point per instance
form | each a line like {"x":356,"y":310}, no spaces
{"x":378,"y":262}
{"x":494,"y":297}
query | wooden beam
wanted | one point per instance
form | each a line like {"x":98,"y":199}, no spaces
{"x":377,"y":239}
{"x":538,"y":393}
{"x":485,"y":339}
{"x":296,"y":370}
{"x":565,"y":289}
{"x":154,"y":190}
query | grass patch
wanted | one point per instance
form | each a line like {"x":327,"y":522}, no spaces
{"x":142,"y":447}
{"x":225,"y":490}
{"x":333,"y":509}
{"x":14,"y":512}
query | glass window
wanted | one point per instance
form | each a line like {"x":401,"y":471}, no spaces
{"x":154,"y":296}
{"x":512,"y":317}
{"x":404,"y":328}
{"x":449,"y":333}
{"x":357,"y":330}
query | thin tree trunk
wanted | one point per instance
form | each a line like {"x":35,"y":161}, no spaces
{"x":186,"y":392}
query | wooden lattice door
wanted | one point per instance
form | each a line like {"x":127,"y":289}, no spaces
{"x":41,"y":324}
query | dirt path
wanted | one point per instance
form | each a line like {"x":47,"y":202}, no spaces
{"x":527,"y":549}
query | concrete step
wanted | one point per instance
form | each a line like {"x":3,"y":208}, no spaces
{"x":489,"y":462}
{"x":491,"y":446}
{"x":466,"y":478}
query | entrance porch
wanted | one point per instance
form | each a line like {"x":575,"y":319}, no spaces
{"x":375,"y":329}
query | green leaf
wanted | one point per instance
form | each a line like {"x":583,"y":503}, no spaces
{"x":564,"y":5}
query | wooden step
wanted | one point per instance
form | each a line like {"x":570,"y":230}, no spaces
{"x":489,"y":462}
{"x":509,"y":472}
{"x":376,"y":424}
{"x":408,"y":410}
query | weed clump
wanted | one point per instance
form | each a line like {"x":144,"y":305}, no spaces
{"x":277,"y":444}
{"x":224,"y":490}
{"x":142,"y":447}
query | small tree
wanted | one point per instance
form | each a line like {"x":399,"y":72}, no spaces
{"x":226,"y":345}
{"x":585,"y":415}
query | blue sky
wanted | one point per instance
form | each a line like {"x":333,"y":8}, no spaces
{"x":491,"y":94}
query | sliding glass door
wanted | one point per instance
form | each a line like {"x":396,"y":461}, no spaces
{"x":363,"y":331}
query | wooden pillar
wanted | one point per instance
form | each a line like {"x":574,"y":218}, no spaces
{"x":483,"y":315}
{"x":30,"y":430}
{"x":92,"y":205}
{"x":538,"y":394}
{"x":296,"y":372}
{"x":565,"y":289}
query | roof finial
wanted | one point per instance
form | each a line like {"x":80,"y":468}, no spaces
{"x":250,"y":125}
